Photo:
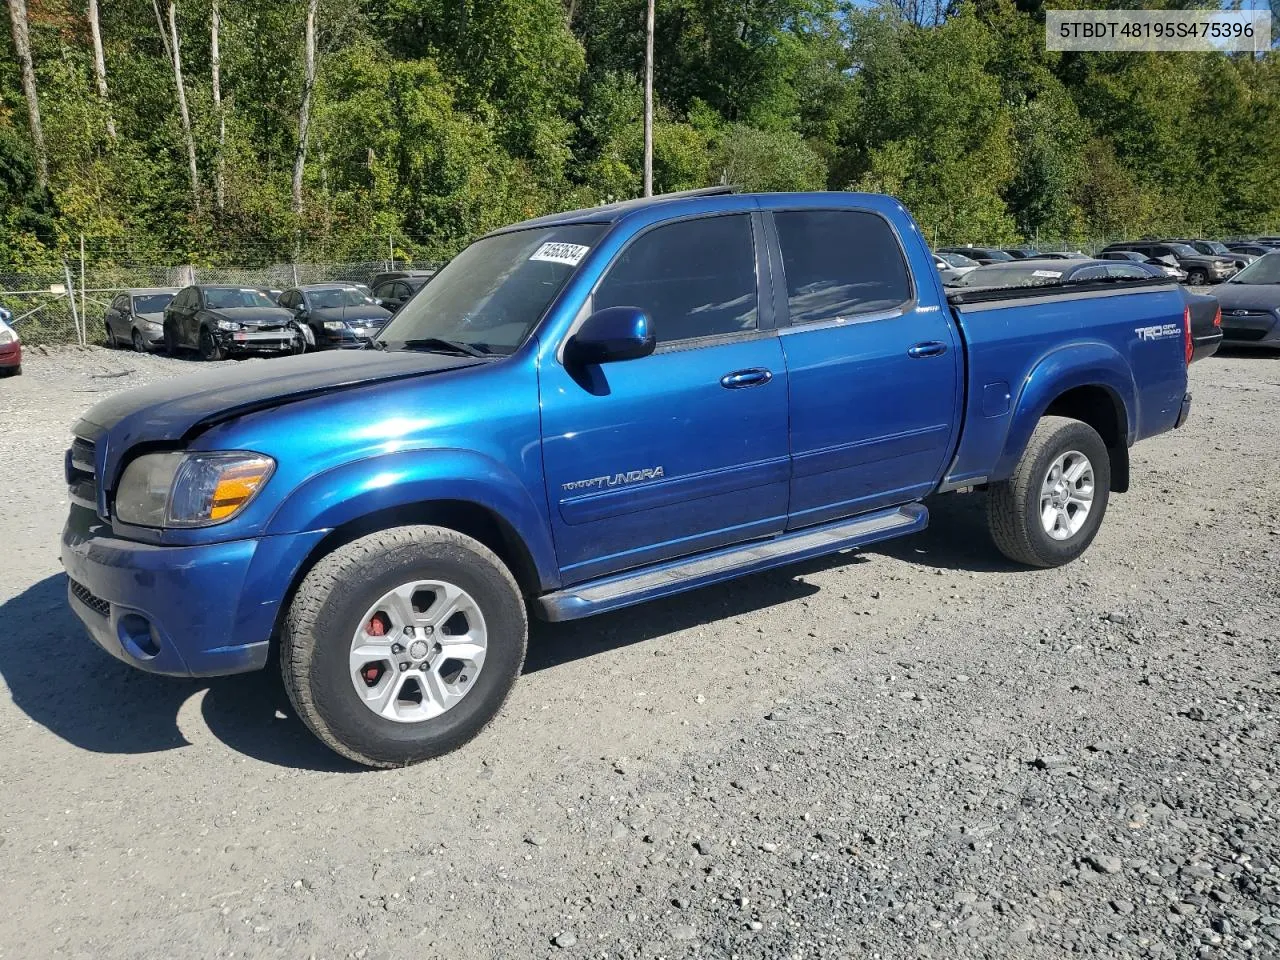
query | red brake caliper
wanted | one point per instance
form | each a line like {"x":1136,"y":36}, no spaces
{"x":373,"y":671}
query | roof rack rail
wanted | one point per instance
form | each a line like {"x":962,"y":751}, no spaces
{"x":701,"y":192}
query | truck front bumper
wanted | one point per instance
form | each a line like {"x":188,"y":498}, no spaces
{"x":192,"y":611}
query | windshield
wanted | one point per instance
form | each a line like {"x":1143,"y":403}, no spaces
{"x":490,"y":296}
{"x":336,"y":297}
{"x":223,"y":298}
{"x":1214,"y":246}
{"x":1011,"y":275}
{"x":958,"y":260}
{"x":1263,"y":270}
{"x":151,"y":302}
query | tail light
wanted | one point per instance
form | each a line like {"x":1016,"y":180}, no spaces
{"x":1217,"y":317}
{"x":1186,"y":330}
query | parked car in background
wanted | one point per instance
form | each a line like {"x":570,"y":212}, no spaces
{"x":334,"y":314}
{"x":10,"y":347}
{"x":273,"y":293}
{"x":1269,"y":241}
{"x":1200,"y":268}
{"x":952,"y":266}
{"x":385,"y":275}
{"x":392,"y":294}
{"x":1065,"y":255}
{"x":222,"y":321}
{"x":1215,"y":248}
{"x":1042,"y":272}
{"x":1023,"y":253}
{"x":982,"y":255}
{"x":136,"y":317}
{"x":1250,"y":304}
{"x":1163,"y":267}
{"x":1252,"y":247}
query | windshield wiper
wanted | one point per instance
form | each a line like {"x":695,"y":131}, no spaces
{"x":439,"y":343}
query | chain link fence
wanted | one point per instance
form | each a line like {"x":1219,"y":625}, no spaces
{"x":62,"y":305}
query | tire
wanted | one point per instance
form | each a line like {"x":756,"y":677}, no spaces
{"x":1196,"y":278}
{"x":209,"y":349}
{"x":1014,"y":506}
{"x":139,"y":346}
{"x":326,"y":621}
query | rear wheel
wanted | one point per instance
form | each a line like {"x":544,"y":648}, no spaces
{"x":209,"y":349}
{"x":1050,"y":510}
{"x":402,"y":645}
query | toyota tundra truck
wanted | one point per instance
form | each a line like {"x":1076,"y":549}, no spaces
{"x":583,"y":412}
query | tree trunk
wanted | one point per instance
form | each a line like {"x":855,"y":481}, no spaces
{"x":304,"y":111}
{"x":215,"y":60}
{"x":22,"y":44}
{"x":100,"y":66}
{"x":173,"y":48}
{"x":648,"y":100}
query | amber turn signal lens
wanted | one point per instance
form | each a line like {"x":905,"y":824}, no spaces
{"x":235,"y":487}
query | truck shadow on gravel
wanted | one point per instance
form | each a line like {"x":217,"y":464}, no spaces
{"x":956,"y":539}
{"x":59,"y":679}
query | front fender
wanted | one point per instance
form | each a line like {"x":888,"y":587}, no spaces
{"x":1088,"y":364}
{"x":355,"y":490}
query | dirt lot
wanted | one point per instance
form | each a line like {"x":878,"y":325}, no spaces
{"x":919,"y":751}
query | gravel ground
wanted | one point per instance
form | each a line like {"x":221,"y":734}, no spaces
{"x":919,"y":751}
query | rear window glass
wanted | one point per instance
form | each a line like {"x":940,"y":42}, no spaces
{"x":840,"y":263}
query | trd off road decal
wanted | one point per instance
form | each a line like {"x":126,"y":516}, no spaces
{"x":1160,"y":331}
{"x":617,"y":480}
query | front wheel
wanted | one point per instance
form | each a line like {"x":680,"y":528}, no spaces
{"x":1050,"y":510}
{"x":139,"y":345}
{"x":402,"y":645}
{"x":1196,"y":278}
{"x":209,"y":349}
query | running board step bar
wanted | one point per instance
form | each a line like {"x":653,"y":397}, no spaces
{"x":677,"y":576}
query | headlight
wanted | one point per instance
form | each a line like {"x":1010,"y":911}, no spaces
{"x":190,"y":489}
{"x":155,"y":324}
{"x":228,"y":325}
{"x":7,"y":335}
{"x":334,"y":325}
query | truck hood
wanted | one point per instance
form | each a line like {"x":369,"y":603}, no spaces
{"x":170,"y":411}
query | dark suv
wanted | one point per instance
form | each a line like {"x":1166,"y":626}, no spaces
{"x":1201,"y":268}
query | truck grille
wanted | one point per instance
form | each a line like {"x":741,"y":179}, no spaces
{"x":96,"y":604}
{"x":82,"y":480}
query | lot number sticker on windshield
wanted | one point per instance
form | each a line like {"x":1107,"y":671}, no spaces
{"x":1053,"y":274}
{"x":569,"y":253}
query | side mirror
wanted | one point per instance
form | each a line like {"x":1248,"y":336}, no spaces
{"x":614,"y":333}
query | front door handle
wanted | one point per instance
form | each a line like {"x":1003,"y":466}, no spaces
{"x":929,"y":348}
{"x":746,"y":378}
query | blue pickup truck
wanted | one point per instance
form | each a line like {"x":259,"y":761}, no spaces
{"x":585,"y":411}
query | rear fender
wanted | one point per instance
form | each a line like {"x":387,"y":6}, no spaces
{"x":412,"y":478}
{"x":1088,"y":364}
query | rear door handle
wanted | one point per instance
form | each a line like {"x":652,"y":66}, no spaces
{"x":929,"y":348}
{"x":746,"y":378}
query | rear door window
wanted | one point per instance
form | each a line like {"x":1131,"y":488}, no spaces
{"x":839,"y":264}
{"x":694,"y":278}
